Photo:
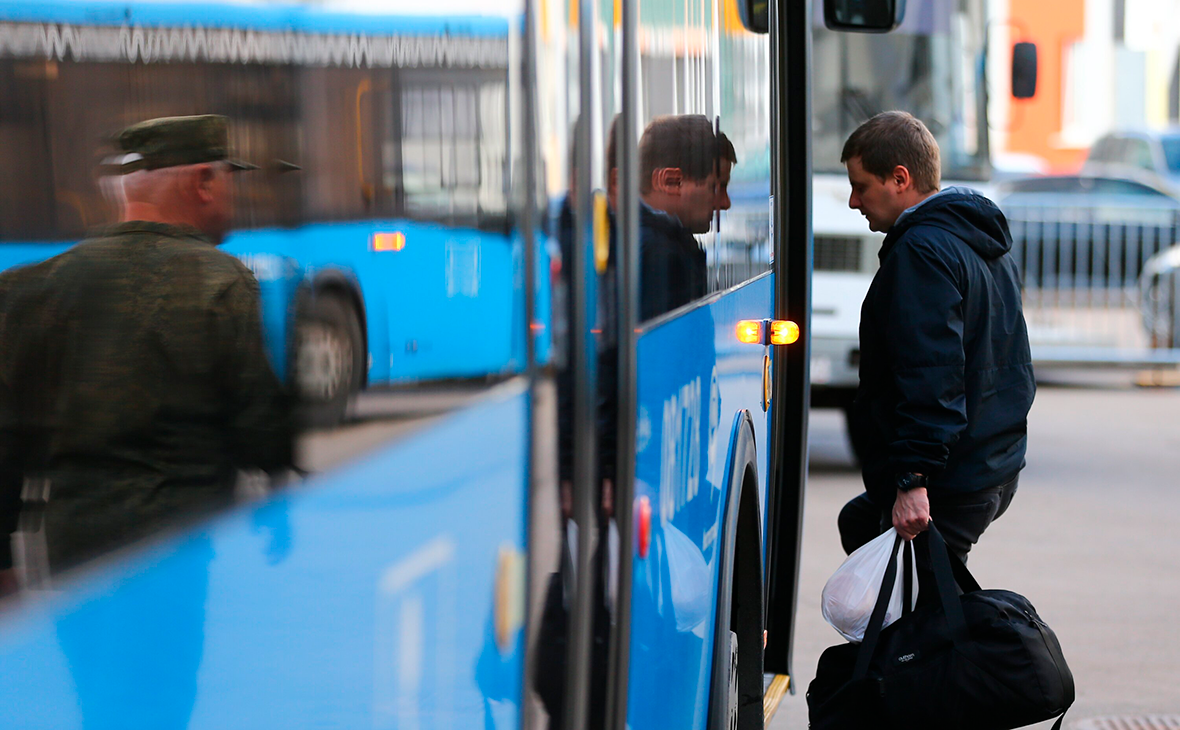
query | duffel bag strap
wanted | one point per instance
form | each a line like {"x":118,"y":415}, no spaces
{"x":952,"y":608}
{"x":963,"y":576}
{"x":873,"y":631}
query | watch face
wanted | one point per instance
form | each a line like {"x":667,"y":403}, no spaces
{"x":910,"y":481}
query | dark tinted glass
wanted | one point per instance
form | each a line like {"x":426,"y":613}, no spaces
{"x":1079,"y":184}
{"x":868,"y":16}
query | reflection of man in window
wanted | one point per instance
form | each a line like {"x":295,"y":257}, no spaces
{"x":684,"y":169}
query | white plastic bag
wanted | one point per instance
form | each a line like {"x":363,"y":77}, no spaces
{"x":851,"y":592}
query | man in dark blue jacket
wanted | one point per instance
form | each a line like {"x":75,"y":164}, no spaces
{"x":946,"y":379}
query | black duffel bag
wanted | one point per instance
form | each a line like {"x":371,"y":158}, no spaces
{"x":980,"y":661}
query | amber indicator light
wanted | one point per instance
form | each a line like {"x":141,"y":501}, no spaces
{"x":749,"y":331}
{"x":387,"y":241}
{"x":783,"y":332}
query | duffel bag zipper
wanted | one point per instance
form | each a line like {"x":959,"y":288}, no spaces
{"x":1036,"y":620}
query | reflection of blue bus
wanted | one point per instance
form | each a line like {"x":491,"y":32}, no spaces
{"x":450,"y":579}
{"x":379,"y":224}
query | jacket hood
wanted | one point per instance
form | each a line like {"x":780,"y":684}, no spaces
{"x":965,"y":214}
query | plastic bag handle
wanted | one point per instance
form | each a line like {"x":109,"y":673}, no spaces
{"x":907,"y":577}
{"x":945,"y":580}
{"x":877,"y":620}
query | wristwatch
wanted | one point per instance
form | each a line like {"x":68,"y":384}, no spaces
{"x":909,"y":480}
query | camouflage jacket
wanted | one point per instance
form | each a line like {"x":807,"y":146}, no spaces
{"x":133,"y":377}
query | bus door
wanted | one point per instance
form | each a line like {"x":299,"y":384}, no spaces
{"x":646,"y":112}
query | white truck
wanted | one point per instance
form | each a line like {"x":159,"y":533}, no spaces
{"x":933,"y":66}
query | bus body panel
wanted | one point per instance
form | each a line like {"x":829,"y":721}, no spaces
{"x":491,"y":20}
{"x":444,"y":305}
{"x":367,"y":598}
{"x":694,"y":378}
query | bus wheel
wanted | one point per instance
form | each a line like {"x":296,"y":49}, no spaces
{"x":731,"y":712}
{"x":329,"y":356}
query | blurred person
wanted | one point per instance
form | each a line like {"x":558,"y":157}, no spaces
{"x":549,"y":678}
{"x":133,"y":378}
{"x":684,"y":170}
{"x":946,"y":378}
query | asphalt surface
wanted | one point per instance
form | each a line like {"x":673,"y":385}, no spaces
{"x":1091,"y":539}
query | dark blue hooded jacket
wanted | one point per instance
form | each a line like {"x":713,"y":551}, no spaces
{"x":946,"y":378}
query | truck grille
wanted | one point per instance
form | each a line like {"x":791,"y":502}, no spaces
{"x":838,"y":253}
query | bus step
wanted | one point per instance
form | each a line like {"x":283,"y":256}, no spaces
{"x":774,"y":686}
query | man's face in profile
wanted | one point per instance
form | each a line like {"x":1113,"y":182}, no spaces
{"x":701,"y":199}
{"x":219,"y":202}
{"x":876,"y":199}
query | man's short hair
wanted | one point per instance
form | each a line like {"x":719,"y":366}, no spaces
{"x":612,"y":145}
{"x":684,"y":141}
{"x":896,"y":138}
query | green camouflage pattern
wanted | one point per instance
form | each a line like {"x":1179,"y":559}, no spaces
{"x":133,"y":377}
{"x":171,"y":141}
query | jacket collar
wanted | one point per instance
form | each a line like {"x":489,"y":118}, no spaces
{"x":160,"y":229}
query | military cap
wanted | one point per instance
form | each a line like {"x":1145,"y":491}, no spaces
{"x":172,"y":141}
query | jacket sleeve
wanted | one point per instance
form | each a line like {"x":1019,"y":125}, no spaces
{"x":260,"y":421}
{"x":926,"y":355}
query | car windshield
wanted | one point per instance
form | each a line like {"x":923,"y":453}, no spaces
{"x":1171,"y":147}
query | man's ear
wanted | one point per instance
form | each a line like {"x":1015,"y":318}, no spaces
{"x":901,"y":178}
{"x":203,"y":177}
{"x":667,"y":180}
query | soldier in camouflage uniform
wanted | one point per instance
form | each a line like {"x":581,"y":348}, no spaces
{"x":133,"y":380}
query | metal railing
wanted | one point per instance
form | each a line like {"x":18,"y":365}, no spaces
{"x":1098,"y":262}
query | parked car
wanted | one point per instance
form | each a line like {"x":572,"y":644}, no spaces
{"x":1159,"y":298}
{"x":1139,"y":154}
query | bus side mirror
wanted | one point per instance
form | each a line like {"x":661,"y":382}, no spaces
{"x":864,"y":16}
{"x":1024,"y":70}
{"x":755,"y":15}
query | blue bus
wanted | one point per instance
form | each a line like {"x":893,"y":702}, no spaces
{"x":475,"y":573}
{"x":380,"y":221}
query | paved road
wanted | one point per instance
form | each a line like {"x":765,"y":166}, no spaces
{"x":1091,"y":539}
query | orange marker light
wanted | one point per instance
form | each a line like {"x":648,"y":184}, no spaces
{"x":387,"y":241}
{"x":783,"y":332}
{"x":749,"y":331}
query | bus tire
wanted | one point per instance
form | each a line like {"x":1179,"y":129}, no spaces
{"x":731,"y":712}
{"x":735,"y":695}
{"x":328,"y":360}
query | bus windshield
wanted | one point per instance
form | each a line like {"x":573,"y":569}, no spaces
{"x":932,"y":67}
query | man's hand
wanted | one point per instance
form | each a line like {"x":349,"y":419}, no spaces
{"x":911,"y":512}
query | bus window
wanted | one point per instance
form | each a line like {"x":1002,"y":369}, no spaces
{"x":453,"y":148}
